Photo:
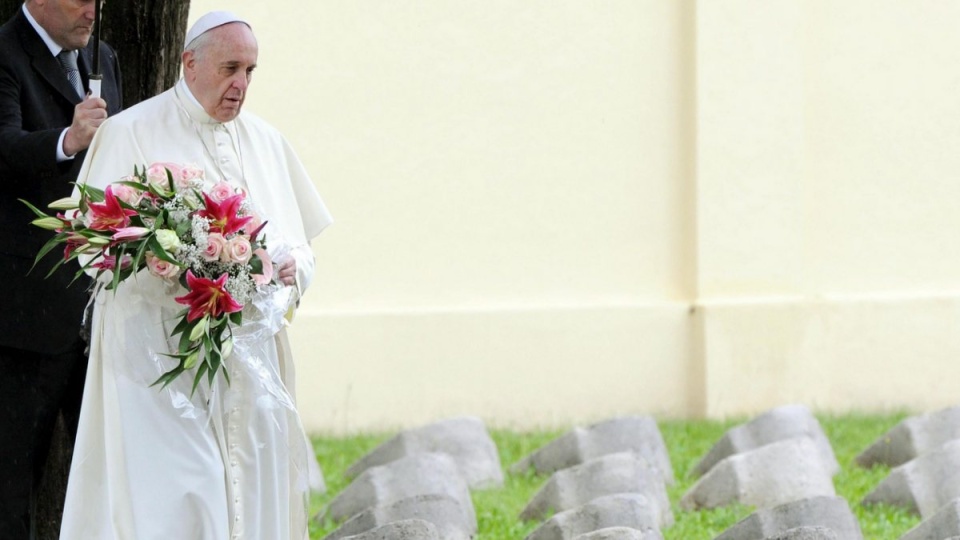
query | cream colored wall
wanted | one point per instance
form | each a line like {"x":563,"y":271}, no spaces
{"x":828,"y":227}
{"x":557,"y":211}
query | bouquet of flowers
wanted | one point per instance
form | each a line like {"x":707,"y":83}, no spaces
{"x":169,"y":219}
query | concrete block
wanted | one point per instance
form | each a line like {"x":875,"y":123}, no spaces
{"x":442,"y":511}
{"x":417,"y":474}
{"x":624,"y":472}
{"x":923,"y":484}
{"x":807,"y":533}
{"x":830,"y":513}
{"x":622,"y":510}
{"x":465,"y":439}
{"x":912,"y":437}
{"x":786,"y":422}
{"x":408,"y":529}
{"x":771,"y":475}
{"x":621,"y":533}
{"x":944,"y":523}
{"x":638,"y":434}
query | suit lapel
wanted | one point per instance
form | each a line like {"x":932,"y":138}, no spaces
{"x":44,"y":63}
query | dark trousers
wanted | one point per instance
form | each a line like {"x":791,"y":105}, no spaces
{"x":34,"y":390}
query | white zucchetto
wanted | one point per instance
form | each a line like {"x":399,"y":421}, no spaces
{"x":209,"y":22}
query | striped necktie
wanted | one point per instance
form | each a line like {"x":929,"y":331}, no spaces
{"x":68,"y":62}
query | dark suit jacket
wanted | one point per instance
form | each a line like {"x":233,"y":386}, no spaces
{"x":36,"y":104}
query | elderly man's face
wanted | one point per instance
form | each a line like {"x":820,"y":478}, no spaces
{"x":219,"y":73}
{"x":69,"y":22}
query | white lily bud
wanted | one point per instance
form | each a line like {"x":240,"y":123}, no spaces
{"x":66,"y":203}
{"x":48,"y":223}
{"x":200,"y":329}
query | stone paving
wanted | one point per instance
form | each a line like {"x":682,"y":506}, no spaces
{"x":607,"y":481}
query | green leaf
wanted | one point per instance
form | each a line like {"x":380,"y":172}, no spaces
{"x":35,"y":210}
{"x":181,"y":326}
{"x":52,"y":243}
{"x":158,"y":250}
{"x":58,"y":264}
{"x":198,"y":377}
{"x":168,"y":377}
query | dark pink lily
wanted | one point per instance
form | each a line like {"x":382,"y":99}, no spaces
{"x":207,"y":297}
{"x":223,"y":215}
{"x":109,"y":215}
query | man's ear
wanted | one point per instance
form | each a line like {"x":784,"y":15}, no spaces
{"x":189,"y":60}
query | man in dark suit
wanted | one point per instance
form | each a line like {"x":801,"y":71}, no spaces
{"x":46,"y":124}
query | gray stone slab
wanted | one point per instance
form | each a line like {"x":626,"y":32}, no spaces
{"x":945,"y":523}
{"x":923,"y":484}
{"x":621,"y":533}
{"x":465,"y":439}
{"x":807,"y":533}
{"x":638,"y":434}
{"x":442,"y":511}
{"x":771,"y":475}
{"x":622,"y":510}
{"x":625,"y":472}
{"x":786,"y":422}
{"x":419,"y":474}
{"x":832,"y":513}
{"x":912,"y":437}
{"x":408,"y":529}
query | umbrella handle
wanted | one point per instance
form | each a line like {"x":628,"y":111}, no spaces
{"x":94,"y":84}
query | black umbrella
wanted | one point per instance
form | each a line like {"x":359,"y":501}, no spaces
{"x":95,"y":75}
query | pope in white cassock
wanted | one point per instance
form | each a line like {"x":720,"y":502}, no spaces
{"x":231,"y":460}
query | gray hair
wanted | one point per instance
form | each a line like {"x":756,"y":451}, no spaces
{"x":198,"y":44}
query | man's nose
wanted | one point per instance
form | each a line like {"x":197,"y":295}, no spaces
{"x":241,"y":82}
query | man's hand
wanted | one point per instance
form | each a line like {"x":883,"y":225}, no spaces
{"x":287,"y":271}
{"x":87,"y":117}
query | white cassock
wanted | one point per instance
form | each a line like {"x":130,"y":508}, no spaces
{"x":229,"y":461}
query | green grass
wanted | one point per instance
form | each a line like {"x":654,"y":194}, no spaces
{"x":687,"y":442}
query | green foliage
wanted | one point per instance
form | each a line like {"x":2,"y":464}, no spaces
{"x":687,"y":442}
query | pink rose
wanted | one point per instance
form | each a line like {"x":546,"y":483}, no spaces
{"x":237,"y":250}
{"x":267,"y":275}
{"x":222,"y":191}
{"x":161,"y":268}
{"x":187,"y":174}
{"x":157,"y":175}
{"x":215,"y":244}
{"x":127,"y":194}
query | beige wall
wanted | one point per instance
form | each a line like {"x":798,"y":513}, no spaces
{"x":557,"y":211}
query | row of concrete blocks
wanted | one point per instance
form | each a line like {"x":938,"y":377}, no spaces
{"x":609,"y":475}
{"x":779,"y":458}
{"x":608,"y":478}
{"x":924,"y":451}
{"x":416,"y":486}
{"x":751,"y":461}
